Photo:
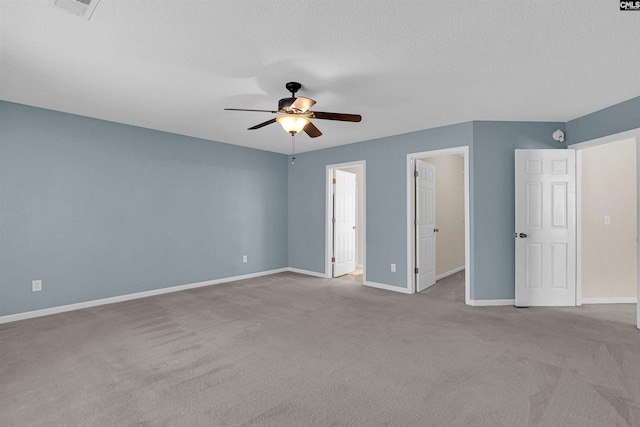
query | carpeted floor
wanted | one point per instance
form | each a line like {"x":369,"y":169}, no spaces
{"x":293,"y":350}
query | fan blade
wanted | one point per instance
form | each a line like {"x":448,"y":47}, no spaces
{"x":336,"y":116}
{"x":268,"y":122}
{"x":312,"y":130}
{"x":302,"y":104}
{"x":243,"y":109}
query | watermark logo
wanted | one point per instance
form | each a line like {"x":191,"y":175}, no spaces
{"x":629,"y":5}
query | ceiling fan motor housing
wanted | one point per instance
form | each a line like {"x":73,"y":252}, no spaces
{"x":284,"y":105}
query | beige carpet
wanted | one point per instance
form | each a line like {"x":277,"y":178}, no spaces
{"x":292,"y":350}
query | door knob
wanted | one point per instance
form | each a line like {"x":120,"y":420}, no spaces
{"x":523,"y":235}
{"x":354,"y":227}
{"x":435,"y":230}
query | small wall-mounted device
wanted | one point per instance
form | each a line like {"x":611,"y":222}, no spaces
{"x":558,"y":136}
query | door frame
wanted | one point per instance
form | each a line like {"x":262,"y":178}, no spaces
{"x":411,"y":243}
{"x":633,"y":133}
{"x":362,"y":228}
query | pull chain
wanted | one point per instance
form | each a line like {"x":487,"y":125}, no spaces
{"x":293,"y":147}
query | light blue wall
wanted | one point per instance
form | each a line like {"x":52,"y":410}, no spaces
{"x":492,"y":198}
{"x":493,"y":246}
{"x":97,"y":209}
{"x":386,"y":199}
{"x":617,"y":118}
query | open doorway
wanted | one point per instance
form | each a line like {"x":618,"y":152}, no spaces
{"x":608,"y":223}
{"x":449,"y":214}
{"x":604,"y":221}
{"x":345,"y":247}
{"x":438,"y":236}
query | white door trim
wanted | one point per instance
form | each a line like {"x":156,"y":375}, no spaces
{"x":328,"y":245}
{"x":633,"y":133}
{"x":578,"y":228}
{"x":411,"y":157}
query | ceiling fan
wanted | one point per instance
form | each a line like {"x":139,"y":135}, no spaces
{"x":295,"y":114}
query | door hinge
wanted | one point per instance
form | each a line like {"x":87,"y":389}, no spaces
{"x":416,"y":270}
{"x":333,"y":181}
{"x":333,"y":220}
{"x":415,"y":174}
{"x":333,"y":259}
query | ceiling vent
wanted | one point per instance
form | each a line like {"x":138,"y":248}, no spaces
{"x":82,"y":8}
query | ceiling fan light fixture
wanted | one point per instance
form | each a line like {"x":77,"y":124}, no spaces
{"x":292,"y":123}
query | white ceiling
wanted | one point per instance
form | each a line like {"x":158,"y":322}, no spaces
{"x":403,"y":65}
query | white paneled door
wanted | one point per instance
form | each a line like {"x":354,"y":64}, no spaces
{"x":545,"y":233}
{"x":425,"y":224}
{"x":344,"y":227}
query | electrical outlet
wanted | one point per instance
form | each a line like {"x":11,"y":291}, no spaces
{"x":36,"y":285}
{"x":607,"y":220}
{"x":393,"y":268}
{"x":244,"y":258}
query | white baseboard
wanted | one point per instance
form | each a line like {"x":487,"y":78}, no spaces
{"x":307,"y":272}
{"x":491,"y":302}
{"x":611,"y":300}
{"x":359,"y":266}
{"x":449,"y":273}
{"x":387,"y":287}
{"x":127,"y":297}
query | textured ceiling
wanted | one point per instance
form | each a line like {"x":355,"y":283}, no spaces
{"x":403,"y":65}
